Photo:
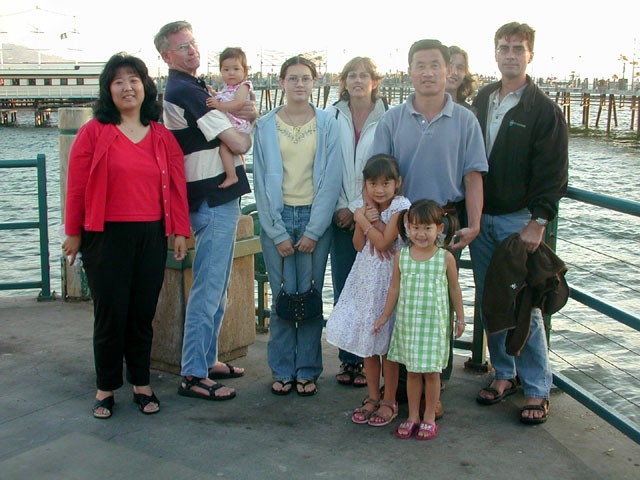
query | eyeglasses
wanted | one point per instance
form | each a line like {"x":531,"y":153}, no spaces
{"x":362,"y":75}
{"x":517,"y":50}
{"x":294,"y":79}
{"x":184,"y":47}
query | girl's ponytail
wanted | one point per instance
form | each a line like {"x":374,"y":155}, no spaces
{"x":450,"y":226}
{"x":402,"y":229}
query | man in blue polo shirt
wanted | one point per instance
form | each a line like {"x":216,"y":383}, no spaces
{"x":439,"y":147}
{"x":214,"y":212}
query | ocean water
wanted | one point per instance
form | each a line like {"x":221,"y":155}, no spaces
{"x":599,"y":246}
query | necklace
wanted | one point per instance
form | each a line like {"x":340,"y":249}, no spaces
{"x":296,"y":125}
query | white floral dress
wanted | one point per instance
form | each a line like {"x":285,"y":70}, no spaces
{"x":362,"y":300}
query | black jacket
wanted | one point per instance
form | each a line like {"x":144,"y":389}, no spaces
{"x":529,"y":163}
{"x":518,"y":281}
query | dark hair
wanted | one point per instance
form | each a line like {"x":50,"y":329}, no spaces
{"x":237,"y":53}
{"x":381,"y":165}
{"x":425,"y":212}
{"x":518,"y":30}
{"x":429,"y":44}
{"x":105,"y":109}
{"x":161,"y":40}
{"x":369,"y":66}
{"x":468,"y":85}
{"x":298,"y":60}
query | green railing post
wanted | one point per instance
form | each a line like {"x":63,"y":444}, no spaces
{"x":43,"y":217}
{"x":42,"y":225}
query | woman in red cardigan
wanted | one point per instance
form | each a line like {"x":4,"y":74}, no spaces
{"x":126,"y":192}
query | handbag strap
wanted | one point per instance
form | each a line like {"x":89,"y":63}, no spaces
{"x":313,"y":283}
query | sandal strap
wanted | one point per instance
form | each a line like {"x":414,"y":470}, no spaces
{"x":145,"y":400}
{"x":386,"y":416}
{"x":197,"y":382}
{"x":543,"y":407}
{"x":192,"y":382}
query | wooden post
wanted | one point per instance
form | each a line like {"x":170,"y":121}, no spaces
{"x":612,"y":100}
{"x":586,"y":101}
{"x":74,"y":283}
{"x":600,"y":105}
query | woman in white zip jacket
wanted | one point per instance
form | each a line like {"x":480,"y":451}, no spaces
{"x":357,"y":113}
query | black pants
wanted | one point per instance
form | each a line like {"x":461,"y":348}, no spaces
{"x":125,"y":270}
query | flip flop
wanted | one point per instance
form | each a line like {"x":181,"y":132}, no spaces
{"x":304,"y":392}
{"x":197,"y":382}
{"x":283,"y":390}
{"x":143,"y":400}
{"x":544,"y":408}
{"x":497,"y":396}
{"x":232,"y":373}
{"x":107,"y":403}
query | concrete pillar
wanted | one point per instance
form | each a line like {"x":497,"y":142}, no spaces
{"x":74,"y":282}
{"x":239,"y":324}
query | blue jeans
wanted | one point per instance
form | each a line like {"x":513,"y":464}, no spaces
{"x":215,"y":233}
{"x":532,"y":366}
{"x":343,"y":254}
{"x":294,"y":350}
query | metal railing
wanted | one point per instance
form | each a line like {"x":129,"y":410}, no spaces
{"x":42,"y":225}
{"x":477,"y":346}
{"x":621,"y":422}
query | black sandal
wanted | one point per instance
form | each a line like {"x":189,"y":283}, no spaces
{"x":359,"y":374}
{"x":232,"y":373}
{"x":497,"y":396}
{"x":348,"y":370}
{"x":544,"y":408}
{"x":143,"y":400}
{"x":197,"y":382}
{"x":107,"y":403}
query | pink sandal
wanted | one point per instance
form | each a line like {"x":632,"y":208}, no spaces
{"x":406,"y":429}
{"x":381,"y":419}
{"x":362,"y":414}
{"x":427,"y":431}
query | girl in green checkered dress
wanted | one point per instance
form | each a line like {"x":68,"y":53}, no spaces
{"x":425,"y":276}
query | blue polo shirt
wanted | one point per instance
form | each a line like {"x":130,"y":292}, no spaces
{"x":196,"y":127}
{"x":434,"y":156}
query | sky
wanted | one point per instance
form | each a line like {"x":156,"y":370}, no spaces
{"x":571,"y":38}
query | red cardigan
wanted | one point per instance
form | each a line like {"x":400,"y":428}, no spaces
{"x":87,"y":179}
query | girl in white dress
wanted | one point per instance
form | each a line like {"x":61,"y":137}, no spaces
{"x":350,"y":325}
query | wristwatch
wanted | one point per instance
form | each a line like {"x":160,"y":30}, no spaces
{"x":543,"y":222}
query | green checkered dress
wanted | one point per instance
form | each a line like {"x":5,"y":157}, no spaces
{"x":420,"y":337}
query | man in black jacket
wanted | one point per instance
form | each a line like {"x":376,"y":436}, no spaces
{"x":527,"y":145}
